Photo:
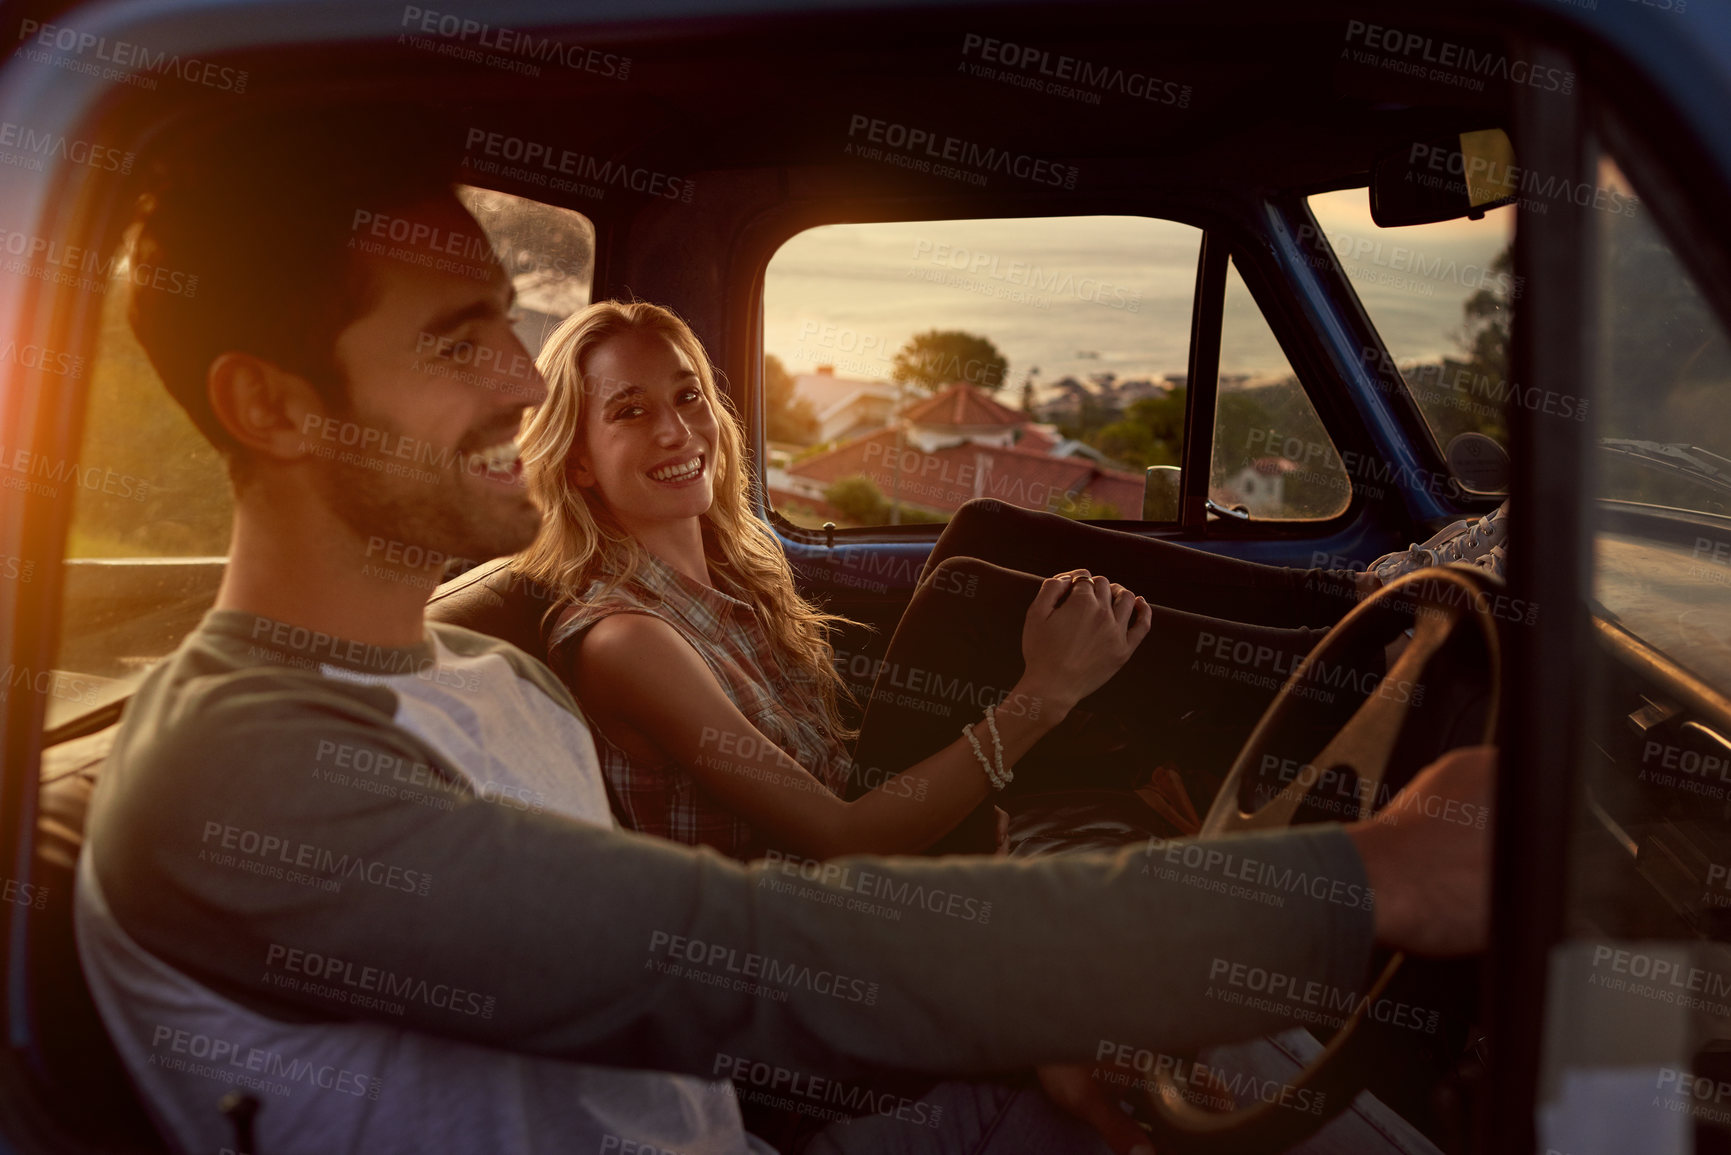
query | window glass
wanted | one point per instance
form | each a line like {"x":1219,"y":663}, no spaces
{"x":1272,"y":457}
{"x":1440,"y":297}
{"x":911,"y":367}
{"x":1663,"y":460}
{"x":549,"y":252}
{"x":1640,"y":986}
{"x":151,"y":510}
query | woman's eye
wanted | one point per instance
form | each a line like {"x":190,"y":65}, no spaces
{"x":690,"y":395}
{"x":627,"y":411}
{"x":463,"y":351}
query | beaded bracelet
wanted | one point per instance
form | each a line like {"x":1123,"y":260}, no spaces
{"x":997,"y":744}
{"x":997,"y":775}
{"x":991,"y":775}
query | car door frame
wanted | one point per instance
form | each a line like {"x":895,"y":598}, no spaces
{"x":1539,"y":800}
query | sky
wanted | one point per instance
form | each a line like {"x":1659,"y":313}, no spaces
{"x":1081,"y":295}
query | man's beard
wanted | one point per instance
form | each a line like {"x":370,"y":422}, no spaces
{"x":441,"y":516}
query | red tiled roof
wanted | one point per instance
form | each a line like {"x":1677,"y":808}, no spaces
{"x":1035,"y":440}
{"x":944,"y":479}
{"x":1121,"y":491}
{"x":962,"y":404}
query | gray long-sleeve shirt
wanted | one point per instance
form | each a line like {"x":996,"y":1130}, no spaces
{"x":393,"y":866}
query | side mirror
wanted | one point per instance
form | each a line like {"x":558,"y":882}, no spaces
{"x":1479,"y":463}
{"x":1160,"y":493}
{"x":1462,"y":175}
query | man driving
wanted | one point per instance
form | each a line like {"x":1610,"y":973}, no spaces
{"x":364,"y":866}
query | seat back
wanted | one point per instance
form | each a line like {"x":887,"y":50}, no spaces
{"x":492,"y":600}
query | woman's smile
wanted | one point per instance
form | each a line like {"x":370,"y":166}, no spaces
{"x":682,"y":472}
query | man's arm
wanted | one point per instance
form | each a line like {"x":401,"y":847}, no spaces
{"x":238,"y":863}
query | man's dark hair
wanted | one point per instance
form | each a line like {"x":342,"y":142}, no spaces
{"x":262,"y":211}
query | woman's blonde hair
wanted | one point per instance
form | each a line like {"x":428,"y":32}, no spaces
{"x":582,"y":542}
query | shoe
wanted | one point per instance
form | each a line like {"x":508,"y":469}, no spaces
{"x":1495,"y":561}
{"x":1480,"y":542}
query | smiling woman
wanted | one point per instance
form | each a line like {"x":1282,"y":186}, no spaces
{"x":641,"y":475}
{"x":713,"y":685}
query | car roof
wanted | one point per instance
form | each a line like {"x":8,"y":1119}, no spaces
{"x":731,"y":84}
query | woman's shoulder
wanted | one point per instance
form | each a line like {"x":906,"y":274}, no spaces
{"x":601,"y":600}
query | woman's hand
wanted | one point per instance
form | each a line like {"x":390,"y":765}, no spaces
{"x":1080,"y":631}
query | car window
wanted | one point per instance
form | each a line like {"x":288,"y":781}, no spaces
{"x":151,"y":507}
{"x":1272,"y":457}
{"x":1662,"y":462}
{"x":1640,"y":984}
{"x":1440,"y":296}
{"x":911,"y":367}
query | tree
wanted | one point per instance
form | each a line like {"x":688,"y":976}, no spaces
{"x":788,"y":417}
{"x":861,"y":502}
{"x":1028,"y":390}
{"x":1151,"y":432}
{"x":1465,"y":394}
{"x":858,"y":499}
{"x":1091,"y":413}
{"x":1485,"y":329}
{"x":937,"y":357}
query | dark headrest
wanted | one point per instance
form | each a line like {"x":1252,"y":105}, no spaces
{"x":490,"y":599}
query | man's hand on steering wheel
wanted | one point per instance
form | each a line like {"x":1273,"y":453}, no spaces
{"x":1427,"y":855}
{"x":1427,"y":858}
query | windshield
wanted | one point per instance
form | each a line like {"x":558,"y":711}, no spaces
{"x":1441,"y":297}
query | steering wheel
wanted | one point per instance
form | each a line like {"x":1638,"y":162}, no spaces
{"x":1453,"y":639}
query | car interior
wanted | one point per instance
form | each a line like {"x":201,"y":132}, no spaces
{"x":760,"y":118}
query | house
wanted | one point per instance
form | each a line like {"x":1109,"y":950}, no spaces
{"x":1259,"y":486}
{"x":959,"y":444}
{"x":1067,"y":400}
{"x":845,"y":406}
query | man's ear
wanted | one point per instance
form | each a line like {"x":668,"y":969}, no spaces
{"x":269,"y":411}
